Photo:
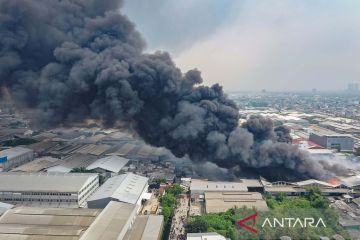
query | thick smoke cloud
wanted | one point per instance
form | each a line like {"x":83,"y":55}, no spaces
{"x":71,"y":60}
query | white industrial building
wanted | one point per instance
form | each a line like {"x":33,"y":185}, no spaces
{"x":113,"y":222}
{"x":14,"y":157}
{"x":120,"y":221}
{"x":127,"y":188}
{"x":108,"y":166}
{"x":42,"y":223}
{"x":217,"y":202}
{"x":204,"y":236}
{"x":47,"y":189}
{"x":198,"y":187}
{"x":331,"y":140}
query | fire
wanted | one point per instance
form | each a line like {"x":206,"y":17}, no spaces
{"x":333,"y":181}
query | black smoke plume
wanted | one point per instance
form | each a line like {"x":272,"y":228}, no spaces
{"x":70,"y":60}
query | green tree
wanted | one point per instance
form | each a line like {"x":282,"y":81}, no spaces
{"x":168,"y":200}
{"x":316,"y":199}
{"x":160,"y":180}
{"x":280,"y":197}
{"x":175,"y":189}
{"x":271,"y":203}
{"x":167,"y":213}
{"x":197,"y":225}
{"x":19,"y":141}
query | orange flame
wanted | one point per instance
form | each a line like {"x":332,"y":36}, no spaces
{"x":333,"y":181}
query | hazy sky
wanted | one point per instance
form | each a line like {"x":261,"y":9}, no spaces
{"x":257,"y":44}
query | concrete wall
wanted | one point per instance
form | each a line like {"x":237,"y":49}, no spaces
{"x":18,"y":160}
{"x":345,"y":143}
{"x":320,"y":140}
{"x":46,"y":197}
{"x":87,"y":190}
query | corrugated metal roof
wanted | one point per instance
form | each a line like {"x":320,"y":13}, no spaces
{"x":146,"y":227}
{"x":111,"y":223}
{"x":13,"y":152}
{"x":313,"y":182}
{"x":37,"y":165}
{"x":124,"y":149}
{"x":45,"y":223}
{"x":93,"y":149}
{"x":125,"y":188}
{"x":202,"y":185}
{"x":44,"y":182}
{"x":112,"y":163}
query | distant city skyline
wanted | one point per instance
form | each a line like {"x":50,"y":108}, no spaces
{"x":251,"y":45}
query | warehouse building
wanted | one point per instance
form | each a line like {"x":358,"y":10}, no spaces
{"x":29,"y":223}
{"x":77,"y":160}
{"x":127,"y":188}
{"x":198,"y":188}
{"x":4,"y":207}
{"x":146,"y":227}
{"x":352,"y":182}
{"x":38,"y":165}
{"x":14,"y":157}
{"x":331,"y":140}
{"x":113,"y":222}
{"x":302,"y":188}
{"x":108,"y":166}
{"x":205,"y":236}
{"x":47,"y":189}
{"x":216,"y":202}
{"x":120,"y":221}
{"x":117,"y":221}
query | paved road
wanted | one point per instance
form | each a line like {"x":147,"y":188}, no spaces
{"x":177,"y":230}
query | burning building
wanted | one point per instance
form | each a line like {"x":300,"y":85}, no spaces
{"x":70,"y":61}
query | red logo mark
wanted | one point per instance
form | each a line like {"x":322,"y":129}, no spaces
{"x":241,"y":223}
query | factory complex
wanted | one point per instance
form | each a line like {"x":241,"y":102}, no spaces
{"x":88,"y":183}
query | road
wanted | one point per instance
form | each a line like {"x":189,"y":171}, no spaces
{"x":177,"y":230}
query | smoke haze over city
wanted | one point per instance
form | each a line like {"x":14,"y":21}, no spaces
{"x":258,"y":44}
{"x":69,"y":61}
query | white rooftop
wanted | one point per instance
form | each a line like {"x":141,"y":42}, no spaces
{"x":112,"y":222}
{"x":14,"y":152}
{"x":327,"y":132}
{"x":205,"y":236}
{"x":321,"y":151}
{"x":112,"y":163}
{"x":44,"y":182}
{"x":313,"y":182}
{"x":352,"y":181}
{"x":4,"y":207}
{"x":125,"y":188}
{"x":208,"y":186}
{"x":37,"y":165}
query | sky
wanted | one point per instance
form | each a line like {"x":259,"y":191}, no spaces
{"x":250,"y":45}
